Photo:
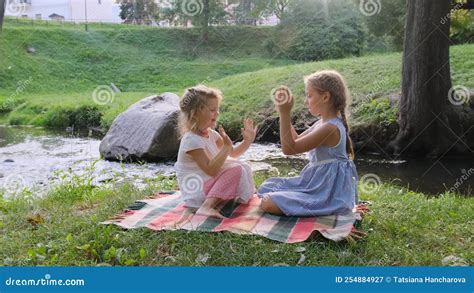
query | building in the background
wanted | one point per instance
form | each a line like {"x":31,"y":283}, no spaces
{"x":229,"y":7}
{"x":66,"y":10}
{"x":269,"y":20}
{"x":97,"y":11}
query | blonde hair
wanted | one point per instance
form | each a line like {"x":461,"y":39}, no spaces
{"x":194,"y":100}
{"x":332,"y":81}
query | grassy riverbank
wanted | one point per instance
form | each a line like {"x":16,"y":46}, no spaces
{"x":54,"y":86}
{"x":404,"y":228}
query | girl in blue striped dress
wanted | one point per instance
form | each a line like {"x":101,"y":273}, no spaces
{"x":328,"y":184}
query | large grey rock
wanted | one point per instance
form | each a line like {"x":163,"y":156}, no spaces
{"x":146,"y":131}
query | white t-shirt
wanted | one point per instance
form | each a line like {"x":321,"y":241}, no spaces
{"x":191,"y":178}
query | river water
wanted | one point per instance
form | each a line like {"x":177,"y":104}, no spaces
{"x":36,"y":159}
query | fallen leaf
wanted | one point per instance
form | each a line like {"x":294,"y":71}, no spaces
{"x":453,"y":261}
{"x":163,"y":250}
{"x":203,"y":258}
{"x":281,"y":264}
{"x":35,"y":220}
{"x":301,"y":260}
{"x":300,"y":249}
{"x":232,"y":248}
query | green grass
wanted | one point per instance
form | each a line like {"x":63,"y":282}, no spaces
{"x":404,"y":228}
{"x":135,"y":59}
{"x":369,"y":77}
{"x":52,"y":86}
{"x":70,"y":64}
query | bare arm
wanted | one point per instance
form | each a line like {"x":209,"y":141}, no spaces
{"x":296,"y":135}
{"x":241,"y":148}
{"x":327,"y":134}
{"x":212,"y":166}
{"x":238,"y":150}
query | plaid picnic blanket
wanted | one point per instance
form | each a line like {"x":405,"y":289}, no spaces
{"x":166,"y":211}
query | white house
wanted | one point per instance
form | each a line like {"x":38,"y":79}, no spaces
{"x":67,"y":10}
{"x":97,"y":10}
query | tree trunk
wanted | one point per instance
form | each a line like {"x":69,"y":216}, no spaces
{"x":429,"y":123}
{"x":280,"y":7}
{"x":2,"y":12}
{"x":205,"y":20}
{"x":247,"y":12}
{"x":325,"y":10}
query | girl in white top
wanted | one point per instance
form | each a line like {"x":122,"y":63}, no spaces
{"x":206,"y":176}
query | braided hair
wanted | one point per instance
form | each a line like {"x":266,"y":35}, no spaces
{"x":332,"y":81}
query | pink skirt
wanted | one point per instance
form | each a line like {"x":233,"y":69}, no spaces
{"x":233,"y":182}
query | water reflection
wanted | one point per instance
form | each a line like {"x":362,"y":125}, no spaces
{"x":37,"y":155}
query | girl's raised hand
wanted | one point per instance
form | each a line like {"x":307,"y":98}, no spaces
{"x":283,"y":99}
{"x":249,"y":131}
{"x":225,"y":138}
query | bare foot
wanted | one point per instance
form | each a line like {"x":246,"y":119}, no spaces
{"x":355,"y":235}
{"x":209,"y":212}
{"x":363,"y":209}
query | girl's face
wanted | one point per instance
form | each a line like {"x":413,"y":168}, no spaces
{"x":315,"y":101}
{"x":208,"y":115}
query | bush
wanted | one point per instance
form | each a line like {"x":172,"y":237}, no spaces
{"x":321,"y":43}
{"x":462,"y":27}
{"x":232,"y":122}
{"x":307,"y":34}
{"x":464,"y":35}
{"x":9,"y":104}
{"x":19,"y":119}
{"x":81,"y":117}
{"x":378,"y":111}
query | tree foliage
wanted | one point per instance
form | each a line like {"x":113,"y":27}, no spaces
{"x":139,"y":11}
{"x":462,"y":25}
{"x":389,"y":23}
{"x":319,"y":29}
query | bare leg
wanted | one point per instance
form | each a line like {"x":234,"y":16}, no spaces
{"x":208,"y":208}
{"x":270,"y":207}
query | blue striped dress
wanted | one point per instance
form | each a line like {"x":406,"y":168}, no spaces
{"x":326,"y":186}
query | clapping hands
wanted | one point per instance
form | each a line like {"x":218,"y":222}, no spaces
{"x":225,"y":138}
{"x":283,"y":99}
{"x":249,"y":131}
